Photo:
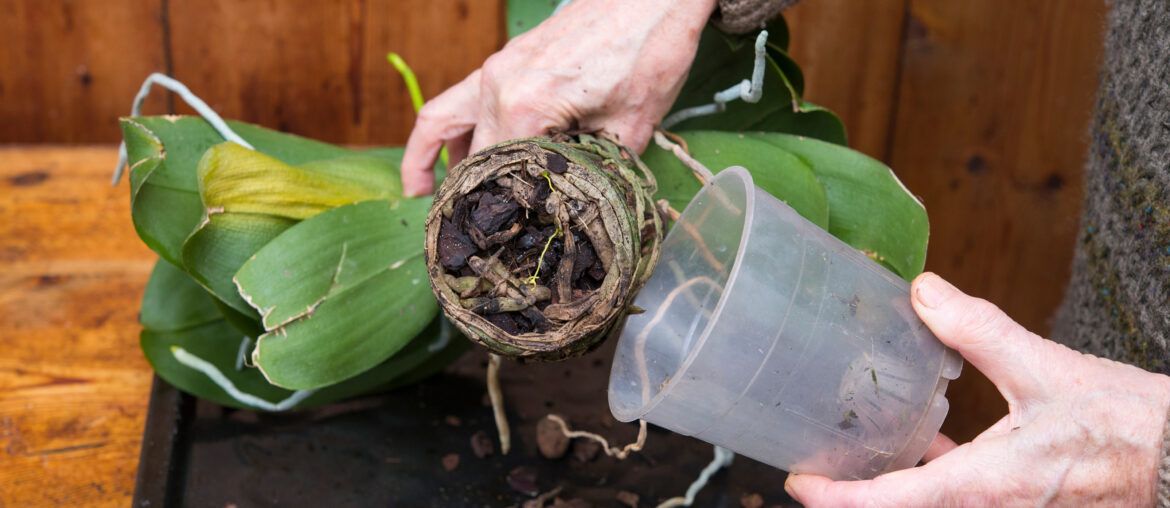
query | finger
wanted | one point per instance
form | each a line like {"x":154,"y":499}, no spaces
{"x":632,"y":132}
{"x":939,"y":447}
{"x":446,"y":117}
{"x":918,"y":486}
{"x":496,"y":128}
{"x":484,"y":136}
{"x":814,"y":491}
{"x":457,"y":149}
{"x":1001,"y":349}
{"x":516,"y":111}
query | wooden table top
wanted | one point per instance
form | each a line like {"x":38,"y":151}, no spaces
{"x":74,"y":385}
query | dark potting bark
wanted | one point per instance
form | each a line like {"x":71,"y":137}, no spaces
{"x":536,"y":247}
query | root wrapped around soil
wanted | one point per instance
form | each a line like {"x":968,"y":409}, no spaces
{"x":535,"y":248}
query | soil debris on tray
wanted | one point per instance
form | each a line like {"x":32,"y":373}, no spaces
{"x":553,"y":443}
{"x":450,"y":461}
{"x":585,"y":450}
{"x":482,"y":445}
{"x":523,"y":480}
{"x":627,"y":498}
{"x":539,"y":501}
{"x":752,"y":500}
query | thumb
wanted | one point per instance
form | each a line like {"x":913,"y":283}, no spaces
{"x":633,"y":132}
{"x":1009,"y":355}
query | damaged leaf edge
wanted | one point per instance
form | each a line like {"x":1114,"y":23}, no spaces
{"x":280,"y":329}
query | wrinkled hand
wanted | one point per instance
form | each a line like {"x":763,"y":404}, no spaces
{"x":1080,"y":429}
{"x":596,"y":64}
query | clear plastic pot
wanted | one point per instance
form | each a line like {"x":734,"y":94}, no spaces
{"x":764,"y":334}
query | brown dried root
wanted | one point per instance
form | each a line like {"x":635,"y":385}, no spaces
{"x":612,"y":451}
{"x":497,"y":398}
{"x":701,"y":172}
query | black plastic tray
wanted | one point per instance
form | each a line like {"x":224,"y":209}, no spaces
{"x":388,"y":449}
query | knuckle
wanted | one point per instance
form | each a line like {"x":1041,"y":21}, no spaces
{"x":514,"y":103}
{"x":983,"y":320}
{"x":429,"y":114}
{"x":495,"y":68}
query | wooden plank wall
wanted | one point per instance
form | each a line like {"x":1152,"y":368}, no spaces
{"x":981,"y":107}
{"x":313,"y":68}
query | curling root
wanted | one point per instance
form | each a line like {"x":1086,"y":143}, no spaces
{"x":612,"y":451}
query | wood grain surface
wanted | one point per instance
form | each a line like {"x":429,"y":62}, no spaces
{"x":992,"y":119}
{"x":849,"y":52}
{"x":73,"y":382}
{"x":69,"y":68}
{"x":319,"y":69}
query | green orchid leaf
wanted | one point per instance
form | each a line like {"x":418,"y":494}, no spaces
{"x":438,"y":360}
{"x":427,"y":354}
{"x":144,"y":150}
{"x":777,"y":48}
{"x":221,"y":245}
{"x":810,"y":121}
{"x":177,"y":312}
{"x":777,"y":171}
{"x":350,"y":332}
{"x":246,"y":323}
{"x":216,"y":342}
{"x":869,"y":208}
{"x":167,"y":285}
{"x":169,"y":214}
{"x":235,"y":179}
{"x":173,"y":302}
{"x":724,"y":60}
{"x":340,"y":292}
{"x":163,"y":212}
{"x":164,"y":152}
{"x":778,"y":34}
{"x":251,"y":198}
{"x":524,"y":15}
{"x":287,"y":279}
{"x":164,"y":217}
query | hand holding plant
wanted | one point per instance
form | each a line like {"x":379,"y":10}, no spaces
{"x":594,"y":65}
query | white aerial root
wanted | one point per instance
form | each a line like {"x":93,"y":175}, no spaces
{"x":747,"y":90}
{"x":722,"y":459}
{"x":226,"y":384}
{"x":612,"y":451}
{"x":191,"y":99}
{"x":497,"y":398}
{"x":242,"y":353}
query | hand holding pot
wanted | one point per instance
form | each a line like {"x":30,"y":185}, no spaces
{"x":1080,"y":429}
{"x":595,"y":64}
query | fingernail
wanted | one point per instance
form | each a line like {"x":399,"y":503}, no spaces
{"x":932,"y":290}
{"x":788,"y":488}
